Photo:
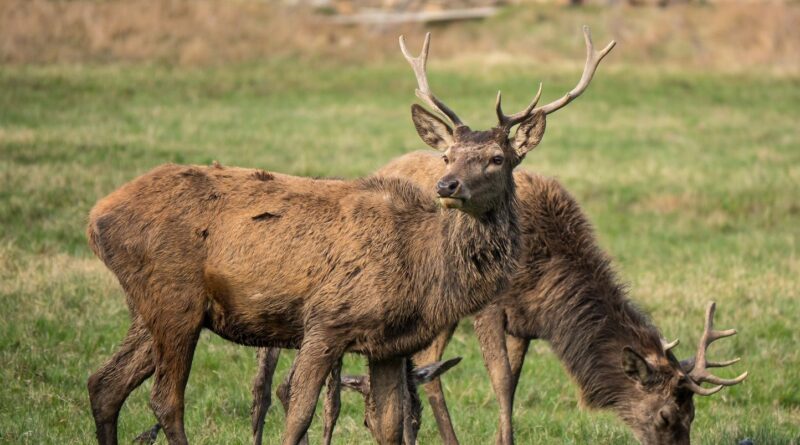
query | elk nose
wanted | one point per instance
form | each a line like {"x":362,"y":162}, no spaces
{"x":446,"y":187}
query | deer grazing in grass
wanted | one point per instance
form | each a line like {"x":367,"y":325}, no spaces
{"x":370,"y":266}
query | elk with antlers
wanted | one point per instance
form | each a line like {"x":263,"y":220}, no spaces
{"x":370,"y":266}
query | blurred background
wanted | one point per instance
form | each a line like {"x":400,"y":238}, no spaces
{"x":684,"y":152}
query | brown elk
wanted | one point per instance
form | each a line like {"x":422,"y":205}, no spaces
{"x":566,"y":292}
{"x":371,"y":266}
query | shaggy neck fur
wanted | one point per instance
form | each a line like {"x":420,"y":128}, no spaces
{"x":585,"y":313}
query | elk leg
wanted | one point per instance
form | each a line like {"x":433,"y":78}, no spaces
{"x":386,"y":400}
{"x":113,"y":382}
{"x":283,"y":393}
{"x":490,"y":329}
{"x":433,"y":389}
{"x":312,"y":365}
{"x":262,"y":389}
{"x":333,"y":402}
{"x":517,"y":349}
{"x":173,"y":353}
{"x":412,"y":408}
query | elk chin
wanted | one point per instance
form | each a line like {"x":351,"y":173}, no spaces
{"x":451,"y":203}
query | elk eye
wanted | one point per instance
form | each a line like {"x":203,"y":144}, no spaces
{"x":445,"y":159}
{"x":497,"y":160}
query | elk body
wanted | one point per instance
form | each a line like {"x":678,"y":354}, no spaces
{"x":370,"y":266}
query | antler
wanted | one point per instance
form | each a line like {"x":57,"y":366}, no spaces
{"x":593,"y":59}
{"x":514,"y":119}
{"x":423,"y":91}
{"x":696,"y":367}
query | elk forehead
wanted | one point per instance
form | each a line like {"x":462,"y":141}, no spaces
{"x":473,"y":144}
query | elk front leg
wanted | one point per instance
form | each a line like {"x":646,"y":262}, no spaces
{"x":113,"y":382}
{"x":312,"y":365}
{"x":284,"y":393}
{"x":333,"y":402}
{"x":262,"y":389}
{"x":386,"y":400}
{"x":490,"y":329}
{"x":433,"y":389}
{"x":173,"y":353}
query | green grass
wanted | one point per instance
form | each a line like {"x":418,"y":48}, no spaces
{"x":692,"y":180}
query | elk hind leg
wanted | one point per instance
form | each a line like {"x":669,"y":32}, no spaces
{"x":117,"y":378}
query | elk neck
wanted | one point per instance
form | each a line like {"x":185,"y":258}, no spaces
{"x":473,"y":258}
{"x":577,"y":303}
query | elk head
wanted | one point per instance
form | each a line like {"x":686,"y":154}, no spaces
{"x":660,"y":408}
{"x":412,"y":406}
{"x":480,"y":163}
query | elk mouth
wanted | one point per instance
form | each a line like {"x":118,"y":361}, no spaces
{"x":451,"y":202}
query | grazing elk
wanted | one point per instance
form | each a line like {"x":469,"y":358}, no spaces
{"x":371,"y":266}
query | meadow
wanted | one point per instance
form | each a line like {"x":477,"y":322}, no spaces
{"x":691,"y":178}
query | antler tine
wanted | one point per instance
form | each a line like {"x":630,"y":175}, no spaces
{"x":423,"y":91}
{"x":670,"y":345}
{"x":593,"y":59}
{"x":696,"y":367}
{"x":514,"y":119}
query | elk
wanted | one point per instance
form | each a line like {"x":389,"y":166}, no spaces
{"x":371,"y":266}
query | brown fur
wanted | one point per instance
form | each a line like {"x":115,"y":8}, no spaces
{"x":327,"y":266}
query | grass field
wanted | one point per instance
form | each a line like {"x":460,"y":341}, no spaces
{"x":691,"y":178}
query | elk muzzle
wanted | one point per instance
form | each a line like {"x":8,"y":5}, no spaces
{"x":450,"y":191}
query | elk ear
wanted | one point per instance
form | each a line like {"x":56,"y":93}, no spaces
{"x":427,"y":373}
{"x":434,"y":131}
{"x":358,"y":383}
{"x":635,"y":366}
{"x":529,"y":133}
